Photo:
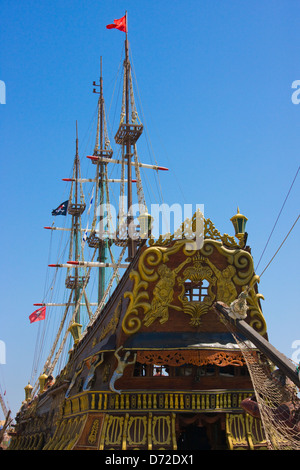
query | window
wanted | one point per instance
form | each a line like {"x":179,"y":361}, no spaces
{"x":184,"y":371}
{"x":140,"y":370}
{"x":227,"y":371}
{"x":160,"y":371}
{"x":206,"y":371}
{"x":196,"y":291}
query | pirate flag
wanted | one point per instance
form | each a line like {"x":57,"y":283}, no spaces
{"x":61,"y":209}
{"x":38,"y":315}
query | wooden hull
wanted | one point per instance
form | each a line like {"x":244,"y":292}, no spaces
{"x":157,"y":369}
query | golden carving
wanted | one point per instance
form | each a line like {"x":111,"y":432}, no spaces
{"x":66,"y":434}
{"x":255,"y":314}
{"x":244,"y":432}
{"x":161,"y":430}
{"x":94,"y":430}
{"x":150,"y":269}
{"x":196,"y":273}
{"x":210,"y":232}
{"x":114,"y":429}
{"x":131,"y":322}
{"x":191,"y":228}
{"x":226,"y":291}
{"x":163,"y":294}
{"x":112,"y":324}
{"x":137,"y":430}
{"x":224,"y":284}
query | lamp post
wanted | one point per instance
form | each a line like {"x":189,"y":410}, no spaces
{"x":28,"y":391}
{"x":75,"y":330}
{"x":239,"y":222}
{"x":42,"y":380}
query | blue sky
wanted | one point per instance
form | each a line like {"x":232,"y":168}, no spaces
{"x":214,"y":80}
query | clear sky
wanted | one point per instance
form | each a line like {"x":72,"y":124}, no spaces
{"x":215,"y":82}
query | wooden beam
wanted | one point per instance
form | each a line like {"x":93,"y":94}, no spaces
{"x":279,"y":359}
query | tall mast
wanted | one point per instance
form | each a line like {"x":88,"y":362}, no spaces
{"x":76,"y":227}
{"x":100,"y":166}
{"x":102,"y":150}
{"x":131,"y":244}
{"x":76,"y":208}
{"x":127,"y":135}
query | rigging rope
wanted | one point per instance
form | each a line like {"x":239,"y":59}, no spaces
{"x":277,"y":218}
{"x":101,"y":304}
{"x":280,"y":246}
{"x":148,"y":140}
{"x":278,"y":407}
{"x":49,"y":366}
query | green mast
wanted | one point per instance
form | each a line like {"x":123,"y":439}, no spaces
{"x":76,"y":207}
{"x":103,"y":245}
{"x":102,"y":150}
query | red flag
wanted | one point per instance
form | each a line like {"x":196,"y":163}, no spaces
{"x":119,"y":24}
{"x":37,"y":315}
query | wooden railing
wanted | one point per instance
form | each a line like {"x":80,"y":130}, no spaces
{"x":206,"y":401}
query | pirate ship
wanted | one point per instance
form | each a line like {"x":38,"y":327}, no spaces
{"x":173,"y":358}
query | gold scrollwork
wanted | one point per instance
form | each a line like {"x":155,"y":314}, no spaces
{"x":94,"y":430}
{"x":255,"y":315}
{"x":112,"y":325}
{"x":161,"y":430}
{"x":114,"y":430}
{"x":191,"y":228}
{"x":131,"y":322}
{"x":196,"y":273}
{"x":224,"y":284}
{"x":137,"y":430}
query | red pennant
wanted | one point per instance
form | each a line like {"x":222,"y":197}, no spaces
{"x":119,"y":24}
{"x":38,"y":315}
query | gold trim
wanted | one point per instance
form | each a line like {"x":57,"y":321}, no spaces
{"x":138,"y":401}
{"x":192,"y":228}
{"x":245,"y":432}
{"x":153,"y":268}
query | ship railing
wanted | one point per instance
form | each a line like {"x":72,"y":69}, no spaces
{"x":195,"y":402}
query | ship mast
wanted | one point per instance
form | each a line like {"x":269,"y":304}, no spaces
{"x":76,"y":228}
{"x":102,"y":246}
{"x":102,"y":149}
{"x":127,"y":135}
{"x":76,"y":208}
{"x":131,"y":244}
{"x":126,"y":235}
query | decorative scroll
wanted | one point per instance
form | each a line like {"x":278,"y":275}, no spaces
{"x":137,"y":430}
{"x":245,"y":432}
{"x":196,"y":358}
{"x":151,"y":303}
{"x":191,"y":228}
{"x":114,"y":428}
{"x":94,"y":431}
{"x":66,"y":434}
{"x":144,"y":431}
{"x":111,"y":326}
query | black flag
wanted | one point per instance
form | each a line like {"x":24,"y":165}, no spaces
{"x":61,"y":209}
